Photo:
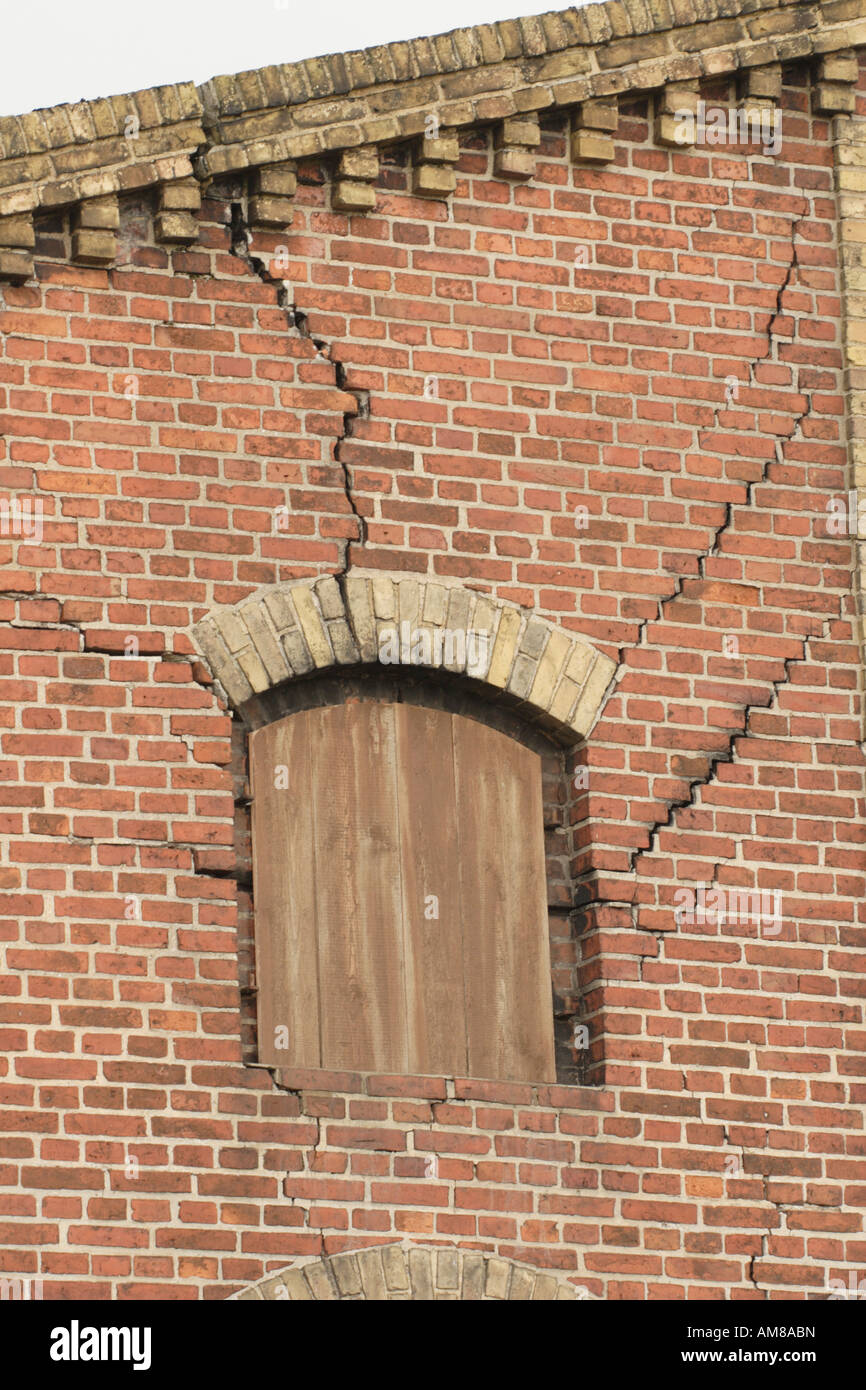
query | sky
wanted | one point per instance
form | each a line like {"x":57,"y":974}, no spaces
{"x":67,"y":50}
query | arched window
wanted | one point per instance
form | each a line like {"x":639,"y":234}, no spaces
{"x":400,"y":895}
{"x":395,"y":730}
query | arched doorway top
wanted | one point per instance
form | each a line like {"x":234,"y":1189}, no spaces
{"x":411,"y":1272}
{"x":289,"y":631}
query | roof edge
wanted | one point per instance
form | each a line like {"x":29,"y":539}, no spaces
{"x":63,"y":155}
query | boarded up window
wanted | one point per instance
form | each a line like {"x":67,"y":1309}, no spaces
{"x":400,"y":898}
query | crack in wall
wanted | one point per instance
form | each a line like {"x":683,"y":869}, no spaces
{"x":310,"y":1154}
{"x":712,"y":550}
{"x":241,"y":241}
{"x":726,"y":755}
{"x":86,"y":648}
{"x":362,"y":413}
{"x":823,"y":636}
{"x":297,"y":321}
{"x":61,"y":624}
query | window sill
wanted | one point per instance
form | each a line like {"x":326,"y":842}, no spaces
{"x":547,"y":1093}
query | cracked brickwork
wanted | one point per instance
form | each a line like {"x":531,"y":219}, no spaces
{"x":241,"y":240}
{"x":607,"y":395}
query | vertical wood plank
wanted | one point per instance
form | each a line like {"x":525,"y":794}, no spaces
{"x":435,"y":1003}
{"x":284,"y":891}
{"x":385,"y":806}
{"x":506,"y":946}
{"x":359,"y":896}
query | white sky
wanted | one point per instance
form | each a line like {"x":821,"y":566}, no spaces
{"x":66,"y":50}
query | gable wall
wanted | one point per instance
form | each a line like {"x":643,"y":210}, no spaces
{"x":657,"y":340}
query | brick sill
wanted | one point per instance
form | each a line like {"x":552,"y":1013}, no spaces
{"x":548,"y":1093}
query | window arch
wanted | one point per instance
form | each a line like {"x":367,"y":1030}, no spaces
{"x":337,"y":641}
{"x":404,"y":1270}
{"x":289,"y":632}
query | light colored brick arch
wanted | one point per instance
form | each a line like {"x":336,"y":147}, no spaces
{"x":555,"y":678}
{"x":411,"y":1272}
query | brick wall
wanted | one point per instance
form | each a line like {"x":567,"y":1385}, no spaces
{"x":439,"y":388}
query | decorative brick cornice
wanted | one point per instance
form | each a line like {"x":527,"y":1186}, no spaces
{"x":487,"y":74}
{"x":554,"y":679}
{"x":400,"y":1270}
{"x":62,"y":155}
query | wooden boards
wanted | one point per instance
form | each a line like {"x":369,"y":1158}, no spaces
{"x":509,"y":1003}
{"x":401,"y":919}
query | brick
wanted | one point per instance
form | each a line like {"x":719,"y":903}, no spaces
{"x":439,"y":149}
{"x":271,"y":212}
{"x":372,"y":1274}
{"x":765,"y":82}
{"x":591,"y":148}
{"x":102,"y":214}
{"x":511,"y":163}
{"x":182,"y":196}
{"x":522,"y":131}
{"x":504,"y":649}
{"x":175,"y":227}
{"x":15,"y":265}
{"x":17,"y":232}
{"x":360,"y":164}
{"x":347,"y":1275}
{"x":312,"y":627}
{"x":434,"y":181}
{"x":831,"y":97}
{"x":94,"y":247}
{"x":278,"y":181}
{"x":349,"y":196}
{"x":598,"y":114}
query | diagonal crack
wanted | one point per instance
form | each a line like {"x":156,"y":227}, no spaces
{"x":727,"y":754}
{"x":241,"y":240}
{"x":752,"y":1260}
{"x":712,"y":550}
{"x":362,"y":412}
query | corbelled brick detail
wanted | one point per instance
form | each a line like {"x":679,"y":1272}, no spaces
{"x":507,"y":69}
{"x":677,"y":97}
{"x":555,"y":678}
{"x":837,"y":74}
{"x":94,"y":239}
{"x":178,"y":203}
{"x":357,"y":172}
{"x":60,"y":156}
{"x":517,"y":140}
{"x":17,"y":239}
{"x":411,"y":1272}
{"x":94,"y":149}
{"x":274,"y":188}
